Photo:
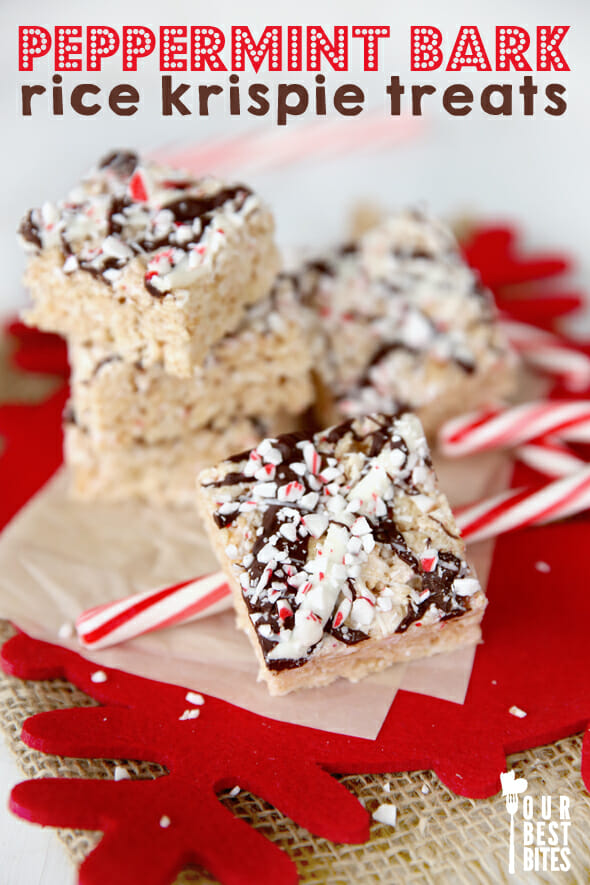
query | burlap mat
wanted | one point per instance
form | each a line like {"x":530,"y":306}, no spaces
{"x":439,"y":837}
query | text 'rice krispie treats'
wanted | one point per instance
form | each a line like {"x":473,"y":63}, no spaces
{"x":262,"y":369}
{"x":400,"y":320}
{"x":148,"y":261}
{"x":342,"y":552}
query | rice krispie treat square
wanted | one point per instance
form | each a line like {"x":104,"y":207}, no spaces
{"x":260,"y":370}
{"x":148,"y":261}
{"x":400,"y":320}
{"x":342,"y":552}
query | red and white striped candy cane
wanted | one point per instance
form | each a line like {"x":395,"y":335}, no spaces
{"x":549,"y":353}
{"x":118,"y":621}
{"x":502,"y":428}
{"x":153,"y":610}
{"x":519,"y":508}
{"x":550,"y":457}
{"x":272,"y":148}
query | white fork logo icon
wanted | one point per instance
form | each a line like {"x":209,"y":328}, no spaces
{"x":511,"y":787}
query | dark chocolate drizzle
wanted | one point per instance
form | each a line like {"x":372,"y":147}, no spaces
{"x":189,"y":208}
{"x":385,"y":531}
{"x":389,"y":347}
{"x":185,"y":209}
{"x":29,"y":231}
{"x":123,"y":163}
{"x":440,"y":584}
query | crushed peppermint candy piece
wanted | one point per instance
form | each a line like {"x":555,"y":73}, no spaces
{"x":234,"y":792}
{"x":466,"y":586}
{"x":165,"y":821}
{"x":386,"y":814}
{"x":360,"y":527}
{"x":121,"y":774}
{"x":516,"y":711}
{"x":98,"y":676}
{"x":66,"y":631}
{"x":429,"y":559}
{"x":316,"y":524}
{"x":189,"y":714}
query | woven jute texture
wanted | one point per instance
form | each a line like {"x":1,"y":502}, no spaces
{"x":439,"y":837}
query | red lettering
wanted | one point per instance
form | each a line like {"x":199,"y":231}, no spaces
{"x":33,"y":42}
{"x":425,"y":53}
{"x":370,"y":38}
{"x":549,"y":55}
{"x":101,"y":42}
{"x":137,"y":43}
{"x":469,"y":51}
{"x":243,"y":44}
{"x":206,"y":44}
{"x":172,"y":49}
{"x":318,"y":44}
{"x":67,"y":48}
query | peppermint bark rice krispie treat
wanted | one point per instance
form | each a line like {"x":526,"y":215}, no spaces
{"x":342,"y":552}
{"x":401,"y":320}
{"x":148,"y":261}
{"x":262,"y":369}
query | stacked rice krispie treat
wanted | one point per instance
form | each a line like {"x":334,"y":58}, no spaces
{"x":184,"y":346}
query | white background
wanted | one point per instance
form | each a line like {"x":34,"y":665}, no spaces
{"x":533,"y":170}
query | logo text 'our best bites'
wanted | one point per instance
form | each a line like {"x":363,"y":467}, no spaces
{"x":222,"y":54}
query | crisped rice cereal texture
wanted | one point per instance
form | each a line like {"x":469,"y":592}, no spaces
{"x":159,"y":473}
{"x":262,"y":369}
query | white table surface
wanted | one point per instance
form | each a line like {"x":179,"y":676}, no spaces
{"x":29,"y":855}
{"x":529,"y":169}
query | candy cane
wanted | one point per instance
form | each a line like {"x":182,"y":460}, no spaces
{"x":255,"y":151}
{"x":549,"y":353}
{"x":550,"y":457}
{"x":118,"y":621}
{"x":141,"y":613}
{"x":500,"y":428}
{"x":525,"y":507}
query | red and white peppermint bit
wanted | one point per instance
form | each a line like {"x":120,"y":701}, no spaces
{"x":478,"y":431}
{"x":550,"y":457}
{"x":519,"y":508}
{"x":118,"y":621}
{"x":137,"y":187}
{"x":429,"y":559}
{"x":549,"y":353}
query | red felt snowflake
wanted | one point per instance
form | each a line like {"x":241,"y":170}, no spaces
{"x":534,"y":656}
